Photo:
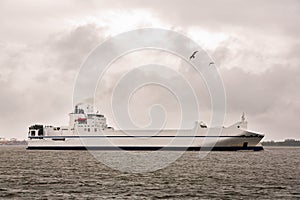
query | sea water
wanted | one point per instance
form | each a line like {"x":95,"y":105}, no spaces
{"x":270,"y":174}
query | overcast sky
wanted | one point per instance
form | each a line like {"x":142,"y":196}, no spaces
{"x":255,"y":45}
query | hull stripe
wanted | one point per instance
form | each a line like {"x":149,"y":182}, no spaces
{"x":233,"y":148}
{"x":130,"y":136}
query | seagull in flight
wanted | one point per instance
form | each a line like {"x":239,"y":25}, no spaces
{"x":211,"y":63}
{"x":193,"y":55}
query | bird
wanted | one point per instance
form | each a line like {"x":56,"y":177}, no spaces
{"x":211,"y":63}
{"x":193,"y":55}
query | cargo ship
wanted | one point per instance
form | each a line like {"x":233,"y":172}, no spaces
{"x":88,"y":130}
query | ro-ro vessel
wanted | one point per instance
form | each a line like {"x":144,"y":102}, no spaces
{"x":88,"y":130}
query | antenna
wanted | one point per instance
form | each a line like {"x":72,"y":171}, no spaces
{"x":243,"y":117}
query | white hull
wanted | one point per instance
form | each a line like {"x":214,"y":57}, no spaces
{"x":240,"y":139}
{"x":88,"y":130}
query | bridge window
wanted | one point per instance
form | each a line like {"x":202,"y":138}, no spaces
{"x":40,"y":132}
{"x":32,"y":133}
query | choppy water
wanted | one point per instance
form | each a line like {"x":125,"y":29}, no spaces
{"x":270,"y":174}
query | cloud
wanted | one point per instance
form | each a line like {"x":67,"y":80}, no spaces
{"x":43,"y":44}
{"x":71,"y":48}
{"x":270,"y":99}
{"x":37,"y":80}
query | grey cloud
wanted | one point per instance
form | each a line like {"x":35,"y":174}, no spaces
{"x":41,"y":54}
{"x":69,"y":50}
{"x":36,"y":81}
{"x":270,"y":99}
{"x":267,"y":17}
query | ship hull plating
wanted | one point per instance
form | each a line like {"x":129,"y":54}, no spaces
{"x":165,"y":143}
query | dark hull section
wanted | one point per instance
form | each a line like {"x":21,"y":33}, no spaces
{"x":255,"y":148}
